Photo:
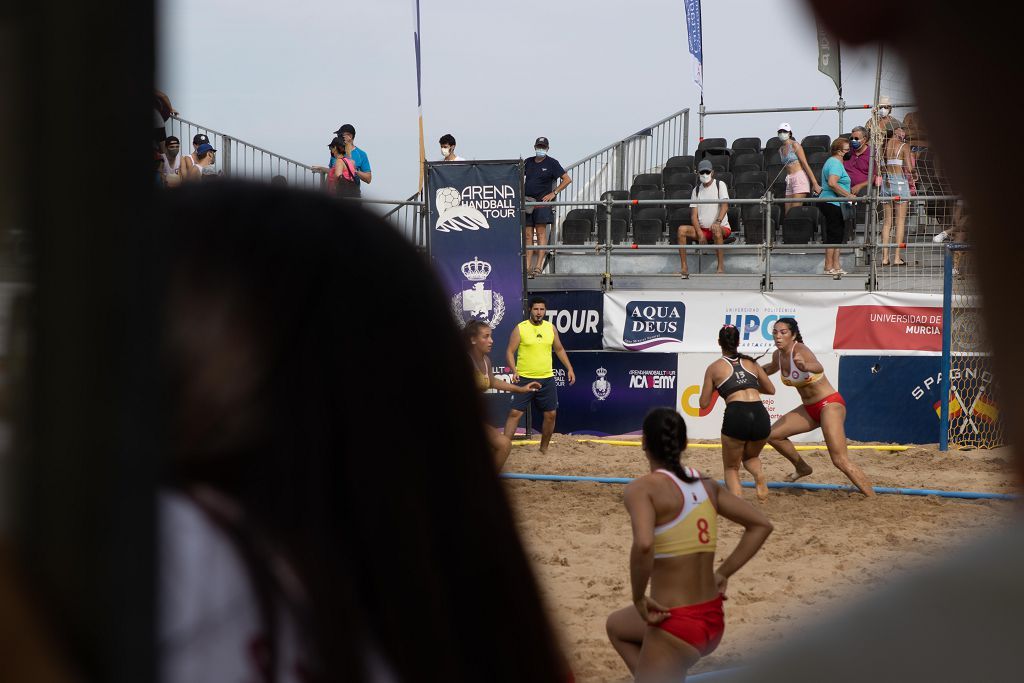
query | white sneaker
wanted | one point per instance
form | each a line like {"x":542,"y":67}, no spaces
{"x":941,"y":237}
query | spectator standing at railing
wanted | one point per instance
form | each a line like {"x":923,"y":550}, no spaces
{"x":541,"y":171}
{"x":707,"y":221}
{"x":341,"y":176}
{"x":882,"y":114}
{"x":172,"y":156}
{"x":895,"y":178}
{"x":447,"y":143}
{"x":800,"y":181}
{"x":858,"y":165}
{"x":835,"y":182}
{"x":206,"y":156}
{"x":162,"y":110}
{"x":347,"y":133}
{"x":187,"y":162}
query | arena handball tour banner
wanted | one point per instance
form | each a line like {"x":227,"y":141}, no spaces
{"x":851,"y":322}
{"x":475,"y":241}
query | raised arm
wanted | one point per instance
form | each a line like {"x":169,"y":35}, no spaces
{"x":805,"y":360}
{"x":564,"y":357}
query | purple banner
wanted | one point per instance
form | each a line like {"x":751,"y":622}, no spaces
{"x":475,"y":242}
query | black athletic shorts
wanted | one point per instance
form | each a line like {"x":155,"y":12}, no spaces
{"x":544,"y":399}
{"x":746,"y":421}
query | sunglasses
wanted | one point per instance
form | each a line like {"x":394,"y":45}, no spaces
{"x":704,"y":173}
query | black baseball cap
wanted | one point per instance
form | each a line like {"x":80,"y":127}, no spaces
{"x":171,"y":140}
{"x":541,"y":142}
{"x":200,"y":139}
{"x":346,"y":128}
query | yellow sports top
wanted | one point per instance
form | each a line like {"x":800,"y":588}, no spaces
{"x":535,"y":343}
{"x":695,"y":528}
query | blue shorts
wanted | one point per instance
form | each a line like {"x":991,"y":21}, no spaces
{"x":895,"y":186}
{"x":541,"y":215}
{"x":544,"y":399}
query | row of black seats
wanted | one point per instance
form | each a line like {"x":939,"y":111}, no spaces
{"x":652,"y":223}
{"x":748,"y":152}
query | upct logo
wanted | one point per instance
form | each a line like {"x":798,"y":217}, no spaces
{"x":755,"y":330}
{"x":650,"y":323}
{"x":689,"y":401}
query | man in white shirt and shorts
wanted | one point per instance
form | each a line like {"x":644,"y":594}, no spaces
{"x":713,"y":219}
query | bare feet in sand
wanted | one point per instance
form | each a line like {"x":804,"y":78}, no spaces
{"x":802,"y":470}
{"x":761,"y":486}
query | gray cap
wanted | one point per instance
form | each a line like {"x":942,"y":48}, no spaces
{"x":705,"y":165}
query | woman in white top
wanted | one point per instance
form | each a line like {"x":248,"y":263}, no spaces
{"x":896,"y":169}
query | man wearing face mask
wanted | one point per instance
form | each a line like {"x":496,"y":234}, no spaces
{"x":541,"y":171}
{"x":707,"y":221}
{"x":447,"y":143}
{"x":885,"y":121}
{"x":206,"y":156}
{"x":858,"y":163}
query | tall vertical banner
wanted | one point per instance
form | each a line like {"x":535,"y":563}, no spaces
{"x":475,"y":242}
{"x":696,"y":40}
{"x":419,"y":82}
{"x":828,"y":57}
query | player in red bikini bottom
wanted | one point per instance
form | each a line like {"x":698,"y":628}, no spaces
{"x":674,"y":512}
{"x":822,"y":406}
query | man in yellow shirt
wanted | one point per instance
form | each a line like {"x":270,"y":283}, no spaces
{"x":535,"y":339}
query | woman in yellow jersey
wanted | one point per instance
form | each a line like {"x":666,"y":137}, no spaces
{"x":822,"y":406}
{"x":674,"y":513}
{"x":740,"y":381}
{"x":479,"y":340}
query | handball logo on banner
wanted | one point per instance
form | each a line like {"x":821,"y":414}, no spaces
{"x":453,"y":215}
{"x":480,"y":303}
{"x":651,"y":323}
{"x":471,"y":208}
{"x":602,"y":388}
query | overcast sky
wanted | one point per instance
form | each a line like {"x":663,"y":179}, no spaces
{"x":584,"y":73}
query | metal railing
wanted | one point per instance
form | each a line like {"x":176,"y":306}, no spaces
{"x":840,"y":107}
{"x":615,"y":166}
{"x":240,"y":159}
{"x":776,"y":259}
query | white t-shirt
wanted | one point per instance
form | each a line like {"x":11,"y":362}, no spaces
{"x":708,"y":213}
{"x":455,"y":159}
{"x":210,"y":625}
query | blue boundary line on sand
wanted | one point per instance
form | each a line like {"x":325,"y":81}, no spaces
{"x":964,"y":495}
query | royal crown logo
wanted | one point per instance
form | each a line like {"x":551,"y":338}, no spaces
{"x":601,"y":387}
{"x":477,"y":301}
{"x":476,"y":270}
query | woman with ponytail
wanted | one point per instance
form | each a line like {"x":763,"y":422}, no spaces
{"x":674,"y":513}
{"x":740,"y":381}
{"x":823,"y":406}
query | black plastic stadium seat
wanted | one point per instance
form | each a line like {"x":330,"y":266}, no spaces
{"x":673,"y":176}
{"x":684,"y":178}
{"x":712,"y":143}
{"x":779,"y":188}
{"x":734,"y":222}
{"x":645,"y":195}
{"x":740,"y":145}
{"x":680,"y":192}
{"x":720,"y":162}
{"x":647,"y":230}
{"x":725,"y":176}
{"x":818,"y":157}
{"x":754,"y":158}
{"x":581,"y":214}
{"x":748,"y":190}
{"x":776,"y":173}
{"x":648,"y":187}
{"x":648,"y":179}
{"x":678,"y":216}
{"x":619,"y":212}
{"x":576,"y":231}
{"x":754,"y":220}
{"x":800,"y":224}
{"x":772,"y":144}
{"x":619,"y":229}
{"x":680,"y":163}
{"x":614,"y":194}
{"x":823,"y":141}
{"x":751,"y":177}
{"x":737,"y":169}
{"x":814,"y":149}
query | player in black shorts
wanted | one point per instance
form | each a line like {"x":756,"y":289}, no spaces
{"x":740,"y":381}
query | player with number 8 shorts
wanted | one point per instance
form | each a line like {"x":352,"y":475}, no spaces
{"x":674,"y":515}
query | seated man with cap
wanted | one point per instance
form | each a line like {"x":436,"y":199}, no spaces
{"x":707,"y":221}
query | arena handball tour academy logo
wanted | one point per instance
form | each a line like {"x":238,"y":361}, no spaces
{"x":601,"y":387}
{"x":477,"y":301}
{"x":473,"y":207}
{"x":651,"y":323}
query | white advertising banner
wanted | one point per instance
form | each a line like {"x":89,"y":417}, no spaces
{"x":688,"y":322}
{"x":707,"y":423}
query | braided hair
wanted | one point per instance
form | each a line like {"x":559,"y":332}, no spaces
{"x":793,"y":327}
{"x":665,"y":438}
{"x":729,"y":340}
